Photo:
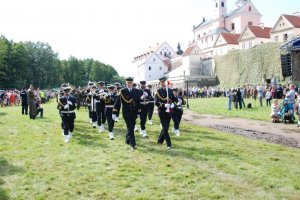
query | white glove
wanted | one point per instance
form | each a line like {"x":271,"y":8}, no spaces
{"x":145,"y":94}
{"x":70,"y":103}
{"x":179,"y":101}
{"x":138,"y":116}
{"x":114,"y":117}
{"x":142,"y":97}
{"x":66,"y":106}
{"x":101,"y":91}
{"x":178,"y":104}
{"x":167,"y":105}
{"x":172,"y":105}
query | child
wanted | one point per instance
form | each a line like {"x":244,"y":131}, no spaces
{"x":275,"y":111}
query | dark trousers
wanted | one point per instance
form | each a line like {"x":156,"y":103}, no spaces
{"x":110,"y":121}
{"x":93,"y":116}
{"x":25,"y":109}
{"x":40,"y":110}
{"x":130,"y":124}
{"x":100,"y":110}
{"x":32,"y":110}
{"x":165,"y":119}
{"x":269,"y":102}
{"x":143,"y":116}
{"x":68,"y":123}
{"x":151,"y":109}
{"x":90,"y":114}
{"x":176,"y":117}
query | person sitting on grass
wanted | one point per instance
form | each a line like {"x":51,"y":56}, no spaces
{"x":275,"y":111}
{"x":39,"y":107}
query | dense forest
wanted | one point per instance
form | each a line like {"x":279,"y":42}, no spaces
{"x":24,"y":63}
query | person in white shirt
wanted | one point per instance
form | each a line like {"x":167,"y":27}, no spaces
{"x":268,"y":97}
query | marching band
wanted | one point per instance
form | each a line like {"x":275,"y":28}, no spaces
{"x":105,"y":104}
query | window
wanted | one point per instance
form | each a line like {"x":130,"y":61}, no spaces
{"x":212,"y":38}
{"x":250,"y":23}
{"x":276,"y":38}
{"x":232,"y":26}
{"x":149,"y":76}
{"x":249,"y":8}
{"x":285,"y":37}
{"x":216,"y":5}
{"x":149,"y":68}
{"x":222,"y":4}
{"x":198,"y":37}
{"x":160,"y":67}
{"x":169,"y":53}
{"x":250,"y":44}
{"x":161,"y":53}
{"x":243,"y":46}
{"x":153,"y":59}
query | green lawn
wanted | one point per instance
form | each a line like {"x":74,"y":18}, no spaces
{"x":218,"y":106}
{"x":35,"y":163}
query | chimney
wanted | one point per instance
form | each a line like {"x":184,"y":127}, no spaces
{"x":203,"y":19}
{"x":262,"y":25}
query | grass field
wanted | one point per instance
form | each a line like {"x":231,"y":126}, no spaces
{"x":218,"y":106}
{"x":35,"y":163}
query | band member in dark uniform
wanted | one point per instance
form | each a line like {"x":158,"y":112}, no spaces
{"x":100,"y":106}
{"x":130,"y":99}
{"x":150,"y":105}
{"x":87,"y":100}
{"x":23,"y":95}
{"x":118,"y":87}
{"x":145,"y":96}
{"x":91,"y":100}
{"x":67,"y":105}
{"x":164,"y":100}
{"x":110,"y":100}
{"x":177,"y":110}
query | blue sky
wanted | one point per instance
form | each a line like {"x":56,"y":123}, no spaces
{"x":115,"y":31}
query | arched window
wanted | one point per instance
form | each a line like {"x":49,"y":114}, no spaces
{"x":249,"y":8}
{"x":222,"y":4}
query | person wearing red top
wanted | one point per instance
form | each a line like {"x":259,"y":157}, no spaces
{"x":12,"y":98}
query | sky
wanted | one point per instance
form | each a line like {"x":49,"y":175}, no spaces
{"x":115,"y":31}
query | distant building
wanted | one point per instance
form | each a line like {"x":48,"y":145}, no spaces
{"x":254,"y":35}
{"x":287,"y":26}
{"x":226,"y":42}
{"x":206,"y":33}
{"x":154,"y":62}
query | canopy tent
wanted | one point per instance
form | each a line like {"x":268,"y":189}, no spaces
{"x":292,"y":45}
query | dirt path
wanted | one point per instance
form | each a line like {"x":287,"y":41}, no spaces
{"x":286,"y":134}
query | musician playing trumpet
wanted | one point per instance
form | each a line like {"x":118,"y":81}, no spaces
{"x":100,"y":105}
{"x":67,"y":105}
{"x":109,"y":100}
{"x":91,"y":100}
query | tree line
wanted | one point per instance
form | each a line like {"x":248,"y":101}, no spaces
{"x":25,"y":63}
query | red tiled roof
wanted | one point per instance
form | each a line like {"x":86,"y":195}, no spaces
{"x":188,"y":51}
{"x":260,"y":32}
{"x":294,"y":20}
{"x":231,"y":38}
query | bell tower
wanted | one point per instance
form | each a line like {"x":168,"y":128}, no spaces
{"x":220,"y":10}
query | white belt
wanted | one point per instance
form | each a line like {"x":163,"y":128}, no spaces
{"x":67,"y":112}
{"x":144,"y":103}
{"x":97,"y":101}
{"x":109,"y":106}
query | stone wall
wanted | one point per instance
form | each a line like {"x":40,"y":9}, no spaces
{"x":251,"y":66}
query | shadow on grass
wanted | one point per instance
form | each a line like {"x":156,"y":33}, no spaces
{"x":196,"y":153}
{"x":6,"y":170}
{"x":3,"y":113}
{"x":88,"y":137}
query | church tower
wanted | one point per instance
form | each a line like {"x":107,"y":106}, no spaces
{"x":220,"y":8}
{"x":220,"y":11}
